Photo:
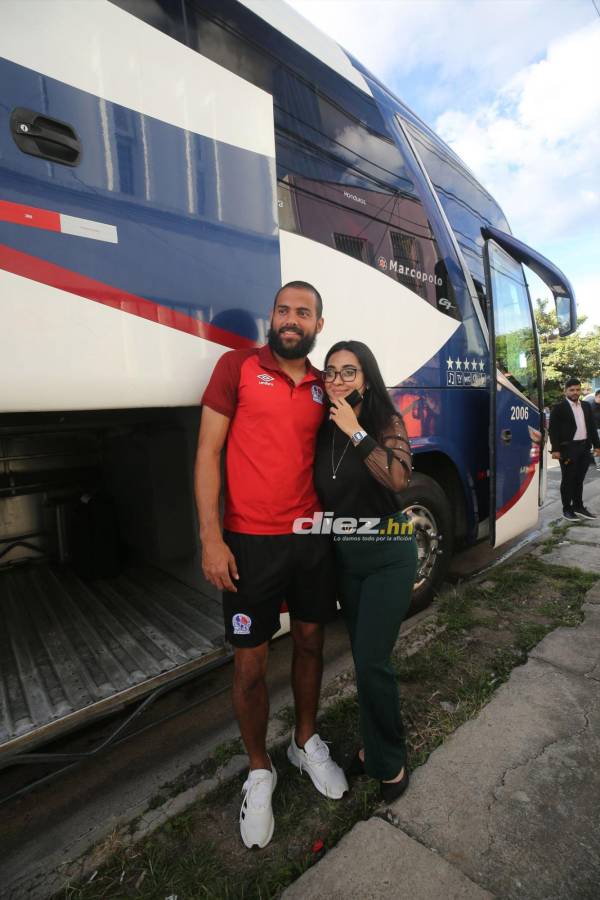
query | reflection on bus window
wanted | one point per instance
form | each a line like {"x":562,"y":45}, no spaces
{"x":513,"y":324}
{"x":352,"y":246}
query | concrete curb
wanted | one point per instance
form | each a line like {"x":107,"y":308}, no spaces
{"x":410,"y":870}
{"x":506,"y":807}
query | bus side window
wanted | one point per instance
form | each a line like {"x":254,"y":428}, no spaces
{"x":347,"y":186}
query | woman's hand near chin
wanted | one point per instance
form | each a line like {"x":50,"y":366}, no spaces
{"x":344,"y":417}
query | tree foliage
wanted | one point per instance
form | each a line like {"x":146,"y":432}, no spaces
{"x":578,"y":354}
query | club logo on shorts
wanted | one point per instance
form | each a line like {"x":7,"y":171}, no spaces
{"x":267,"y":380}
{"x":317,"y":393}
{"x":241,"y":623}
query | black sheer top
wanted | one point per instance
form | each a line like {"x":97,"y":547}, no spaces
{"x":366,"y":476}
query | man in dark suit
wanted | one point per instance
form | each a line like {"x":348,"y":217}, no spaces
{"x":593,"y":400}
{"x":572,"y":433}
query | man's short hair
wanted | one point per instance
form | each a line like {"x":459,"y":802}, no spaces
{"x":596,"y":392}
{"x":572,"y":382}
{"x":305,"y":286}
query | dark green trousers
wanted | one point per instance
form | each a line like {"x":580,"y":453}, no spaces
{"x":376,"y":580}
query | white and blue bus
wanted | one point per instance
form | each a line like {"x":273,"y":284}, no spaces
{"x":165,"y":165}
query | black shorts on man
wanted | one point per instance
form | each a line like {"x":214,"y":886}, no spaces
{"x":296,"y":568}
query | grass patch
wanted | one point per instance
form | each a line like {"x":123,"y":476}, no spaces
{"x":287,"y":717}
{"x":156,"y":801}
{"x":529,"y":634}
{"x":224,"y":752}
{"x":484,"y":629}
{"x":456,"y":609}
{"x":558,"y":532}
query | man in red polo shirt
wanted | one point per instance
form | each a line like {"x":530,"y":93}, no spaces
{"x":266,"y":406}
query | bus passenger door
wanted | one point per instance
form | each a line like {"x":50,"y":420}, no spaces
{"x":515,"y":415}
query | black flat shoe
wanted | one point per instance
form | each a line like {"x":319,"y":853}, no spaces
{"x":356,"y":767}
{"x":391,"y":790}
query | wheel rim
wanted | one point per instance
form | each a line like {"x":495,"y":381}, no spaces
{"x":428,"y":540}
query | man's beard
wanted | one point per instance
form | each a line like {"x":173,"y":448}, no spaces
{"x":296,"y":351}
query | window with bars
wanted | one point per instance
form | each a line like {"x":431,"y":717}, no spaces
{"x":404,"y":248}
{"x":353,"y":246}
{"x":406,"y":252}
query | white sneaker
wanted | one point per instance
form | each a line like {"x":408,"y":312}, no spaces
{"x":256,"y":815}
{"x":324,"y":773}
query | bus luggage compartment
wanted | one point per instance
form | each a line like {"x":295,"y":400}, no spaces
{"x":100,"y":603}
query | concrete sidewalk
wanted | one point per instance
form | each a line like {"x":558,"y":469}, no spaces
{"x":509,"y":806}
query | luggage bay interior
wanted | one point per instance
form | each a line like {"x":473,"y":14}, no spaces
{"x":102,"y":598}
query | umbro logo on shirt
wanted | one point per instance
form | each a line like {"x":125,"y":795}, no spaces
{"x":266,"y":380}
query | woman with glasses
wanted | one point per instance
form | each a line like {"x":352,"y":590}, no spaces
{"x":362,"y":460}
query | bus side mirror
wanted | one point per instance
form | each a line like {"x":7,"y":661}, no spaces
{"x":565,"y":314}
{"x":564,"y":296}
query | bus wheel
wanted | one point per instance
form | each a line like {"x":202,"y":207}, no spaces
{"x":426,"y":505}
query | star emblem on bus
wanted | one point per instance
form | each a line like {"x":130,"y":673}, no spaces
{"x":464,"y":364}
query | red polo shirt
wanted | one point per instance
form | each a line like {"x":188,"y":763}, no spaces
{"x":271,"y":440}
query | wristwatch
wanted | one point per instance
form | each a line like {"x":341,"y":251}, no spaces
{"x":358,"y":436}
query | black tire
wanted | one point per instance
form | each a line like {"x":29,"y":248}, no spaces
{"x":427,"y":506}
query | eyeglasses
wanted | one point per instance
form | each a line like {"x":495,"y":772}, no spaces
{"x":346,"y":373}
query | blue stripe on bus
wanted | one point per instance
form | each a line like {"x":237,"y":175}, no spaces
{"x":196,"y":218}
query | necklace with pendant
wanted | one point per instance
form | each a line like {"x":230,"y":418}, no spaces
{"x":335,"y":467}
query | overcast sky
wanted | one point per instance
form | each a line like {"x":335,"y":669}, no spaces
{"x":514,"y":87}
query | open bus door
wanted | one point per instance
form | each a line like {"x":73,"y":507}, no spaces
{"x":516,"y":399}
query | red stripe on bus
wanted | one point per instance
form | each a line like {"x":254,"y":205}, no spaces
{"x":18,"y":214}
{"x":48,"y":273}
{"x":518,"y":495}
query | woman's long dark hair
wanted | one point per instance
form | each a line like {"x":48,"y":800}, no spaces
{"x":377,"y":408}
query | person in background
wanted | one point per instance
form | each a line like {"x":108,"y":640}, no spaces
{"x":363,"y":459}
{"x":266,"y":405}
{"x":572,"y":434}
{"x":593,"y":401}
